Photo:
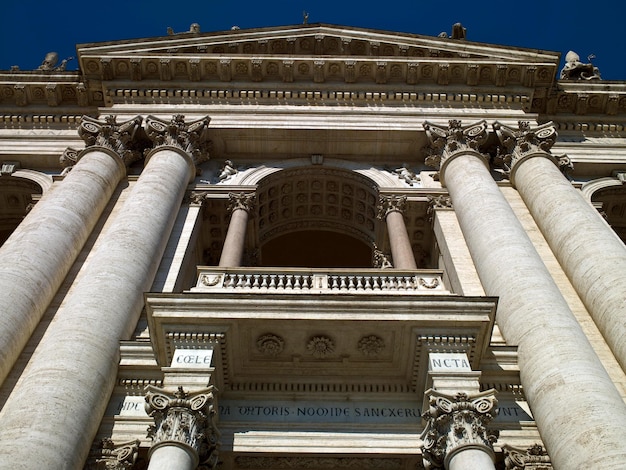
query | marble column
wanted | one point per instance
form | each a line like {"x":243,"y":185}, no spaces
{"x":55,"y":409}
{"x":40,"y":252}
{"x":591,"y":254}
{"x":184,"y":434}
{"x":578,"y":410}
{"x":391,"y":209}
{"x":455,"y":436}
{"x":241,"y":204}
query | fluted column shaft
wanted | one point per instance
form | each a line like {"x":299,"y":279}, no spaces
{"x":390,"y":210}
{"x":40,"y":252}
{"x":55,"y":410}
{"x":577,"y":408}
{"x":591,"y":254}
{"x":240,"y":206}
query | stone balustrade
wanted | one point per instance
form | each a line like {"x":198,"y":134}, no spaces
{"x":355,"y":281}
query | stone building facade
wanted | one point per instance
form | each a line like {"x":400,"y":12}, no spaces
{"x":312,"y":247}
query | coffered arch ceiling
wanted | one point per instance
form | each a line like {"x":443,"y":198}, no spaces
{"x":321,"y":214}
{"x":16,"y":199}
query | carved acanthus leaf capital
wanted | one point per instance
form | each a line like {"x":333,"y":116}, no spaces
{"x":455,"y":422}
{"x":533,"y":458}
{"x":446,"y":142}
{"x":107,"y":455}
{"x":519,"y":144}
{"x":392,"y":203}
{"x":184,"y":418}
{"x":120,"y":138}
{"x":243,"y":201}
{"x":191,"y":137}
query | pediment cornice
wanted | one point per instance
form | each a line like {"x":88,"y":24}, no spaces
{"x":318,"y":40}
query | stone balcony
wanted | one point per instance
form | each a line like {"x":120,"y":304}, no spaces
{"x":320,"y":281}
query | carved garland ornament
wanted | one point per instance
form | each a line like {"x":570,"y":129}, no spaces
{"x":184,"y":419}
{"x":455,"y":422}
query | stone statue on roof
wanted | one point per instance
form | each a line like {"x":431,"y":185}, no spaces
{"x":574,"y":69}
{"x":49,"y":63}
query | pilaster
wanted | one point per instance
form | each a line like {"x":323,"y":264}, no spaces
{"x":533,"y":458}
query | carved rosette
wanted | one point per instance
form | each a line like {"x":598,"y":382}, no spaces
{"x":107,"y":455}
{"x":525,"y":142}
{"x":371,"y":346}
{"x":192,"y":138}
{"x":446,"y":143}
{"x":454,"y":423}
{"x":186,"y":420}
{"x":320,"y":347}
{"x":533,"y":458}
{"x":108,"y":134}
{"x":387,"y":204}
{"x":270,"y":345}
{"x":241,"y":201}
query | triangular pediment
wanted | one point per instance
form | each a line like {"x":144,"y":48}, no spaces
{"x":317,"y":53}
{"x":314,"y":40}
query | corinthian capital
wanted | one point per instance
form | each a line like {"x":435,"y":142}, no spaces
{"x":107,"y":455}
{"x":454,"y":423}
{"x":184,"y":419}
{"x":533,"y":458}
{"x":108,"y":134}
{"x":446,"y":143}
{"x":524,"y":142}
{"x":243,"y":201}
{"x":191,"y":137}
{"x":387,"y":204}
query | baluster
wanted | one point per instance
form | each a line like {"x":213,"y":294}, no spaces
{"x":248,"y":279}
{"x":344,"y":285}
{"x":264,"y":278}
{"x":256,"y":283}
{"x":281,"y":281}
{"x":273,"y":281}
{"x":351,"y":282}
{"x":240,"y":280}
{"x":359,"y":282}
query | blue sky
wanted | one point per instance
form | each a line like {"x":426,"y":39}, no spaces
{"x":30,"y":29}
